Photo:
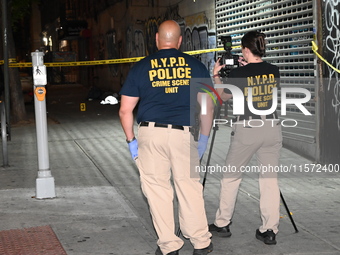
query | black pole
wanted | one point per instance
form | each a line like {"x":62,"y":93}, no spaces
{"x":6,"y":68}
{"x":215,"y":128}
{"x":288,"y":212}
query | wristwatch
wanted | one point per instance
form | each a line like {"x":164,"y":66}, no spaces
{"x":131,"y":140}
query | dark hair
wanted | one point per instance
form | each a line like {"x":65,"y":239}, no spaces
{"x":255,"y":42}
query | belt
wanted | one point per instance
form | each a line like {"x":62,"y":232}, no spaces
{"x":245,"y":117}
{"x":146,"y":124}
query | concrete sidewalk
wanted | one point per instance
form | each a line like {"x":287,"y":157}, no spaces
{"x":99,"y":208}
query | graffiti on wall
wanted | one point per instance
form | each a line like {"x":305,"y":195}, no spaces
{"x":135,"y":43}
{"x":140,"y":40}
{"x":332,"y":45}
{"x":151,"y":26}
{"x":196,"y":36}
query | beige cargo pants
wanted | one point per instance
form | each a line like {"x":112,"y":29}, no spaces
{"x":164,"y":153}
{"x":265,"y":143}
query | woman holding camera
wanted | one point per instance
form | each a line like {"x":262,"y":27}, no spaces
{"x":252,"y":134}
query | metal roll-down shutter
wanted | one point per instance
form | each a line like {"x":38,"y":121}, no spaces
{"x":288,"y":26}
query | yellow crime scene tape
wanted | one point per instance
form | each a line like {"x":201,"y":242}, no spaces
{"x":136,"y":59}
{"x":315,"y":50}
{"x":102,"y":62}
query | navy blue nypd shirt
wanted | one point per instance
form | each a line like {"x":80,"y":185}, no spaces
{"x":167,"y":83}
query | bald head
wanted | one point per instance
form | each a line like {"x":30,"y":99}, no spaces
{"x":168,"y":35}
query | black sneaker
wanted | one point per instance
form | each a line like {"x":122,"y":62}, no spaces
{"x":204,"y":251}
{"x":267,"y":237}
{"x":221,"y":231}
{"x":159,"y":252}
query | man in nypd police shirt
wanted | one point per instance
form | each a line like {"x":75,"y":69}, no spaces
{"x":167,"y":85}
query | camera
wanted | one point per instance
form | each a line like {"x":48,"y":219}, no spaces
{"x":228,"y":59}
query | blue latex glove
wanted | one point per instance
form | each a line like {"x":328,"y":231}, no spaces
{"x":202,"y":144}
{"x":133,"y":147}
